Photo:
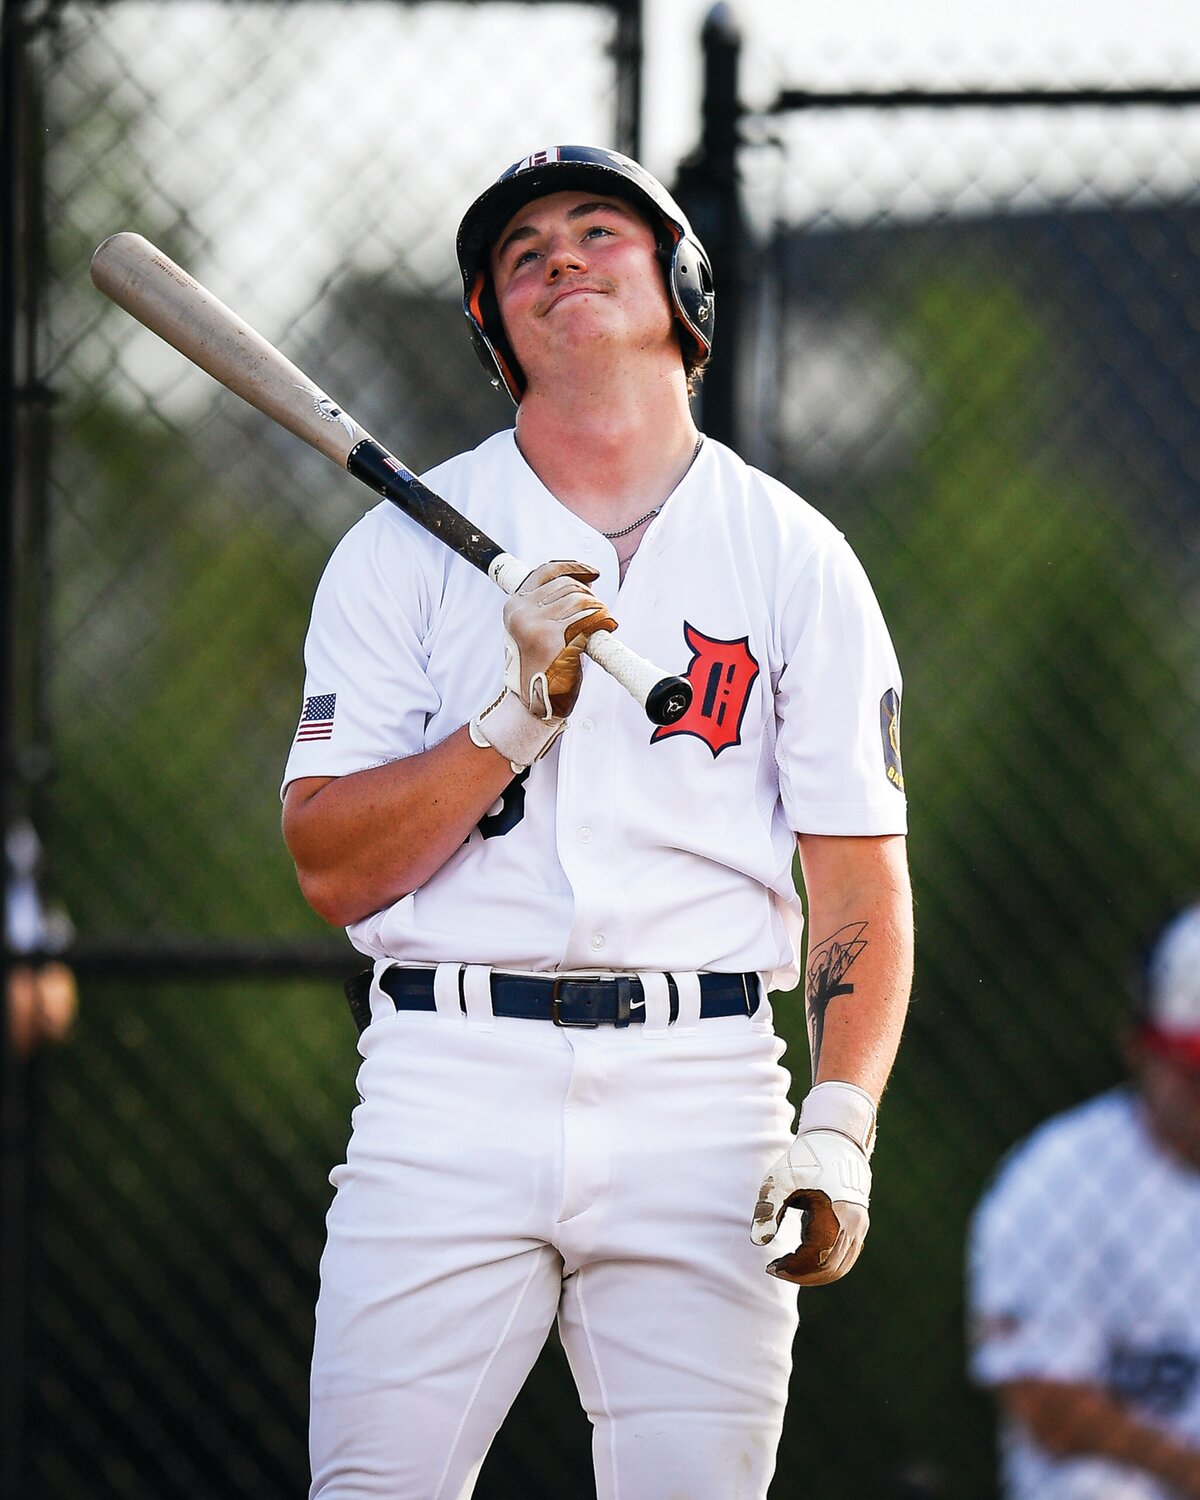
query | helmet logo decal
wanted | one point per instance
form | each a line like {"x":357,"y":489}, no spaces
{"x":536,"y":159}
{"x":721,"y":674}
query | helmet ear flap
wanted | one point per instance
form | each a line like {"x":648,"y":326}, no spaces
{"x":693,"y":296}
{"x":488,"y":336}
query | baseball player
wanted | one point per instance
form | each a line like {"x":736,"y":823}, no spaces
{"x":572,"y":1103}
{"x":1085,"y":1269}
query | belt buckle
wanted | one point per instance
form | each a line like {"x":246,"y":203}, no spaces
{"x":555,"y":1009}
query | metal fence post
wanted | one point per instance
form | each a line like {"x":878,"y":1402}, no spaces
{"x":708,"y":190}
{"x":23,"y":416}
{"x":628,"y":52}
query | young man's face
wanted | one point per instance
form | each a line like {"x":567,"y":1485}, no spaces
{"x":576,"y":271}
{"x":1171,"y":1091}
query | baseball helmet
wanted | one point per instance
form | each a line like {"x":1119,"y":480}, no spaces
{"x":556,"y":169}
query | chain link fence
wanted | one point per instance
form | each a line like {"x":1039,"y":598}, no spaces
{"x":973,"y":341}
{"x":977,"y":348}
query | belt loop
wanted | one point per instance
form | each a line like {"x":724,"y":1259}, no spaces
{"x":624,"y":995}
{"x":755,"y":994}
{"x":658,"y":1003}
{"x":378,"y":999}
{"x":446,"y":996}
{"x":688,"y":987}
{"x":477,"y":994}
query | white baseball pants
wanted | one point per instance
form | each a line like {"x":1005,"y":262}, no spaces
{"x":503,"y":1173}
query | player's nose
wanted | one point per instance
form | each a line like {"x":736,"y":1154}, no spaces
{"x":562,"y":254}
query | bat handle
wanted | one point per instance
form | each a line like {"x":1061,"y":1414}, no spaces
{"x":666,"y":698}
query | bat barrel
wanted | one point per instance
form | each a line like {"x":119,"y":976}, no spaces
{"x":148,"y":285}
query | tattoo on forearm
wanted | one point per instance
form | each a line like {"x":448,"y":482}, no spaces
{"x":828,"y":966}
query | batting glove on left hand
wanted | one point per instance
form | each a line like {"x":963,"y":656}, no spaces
{"x":826,"y":1176}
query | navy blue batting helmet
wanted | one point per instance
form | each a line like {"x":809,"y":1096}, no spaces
{"x":555,"y":169}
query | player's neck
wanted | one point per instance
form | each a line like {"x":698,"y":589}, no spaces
{"x":610,"y":460}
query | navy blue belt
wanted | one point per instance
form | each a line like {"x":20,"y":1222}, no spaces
{"x":575,"y":1000}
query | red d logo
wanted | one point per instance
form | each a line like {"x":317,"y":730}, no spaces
{"x":721,"y":674}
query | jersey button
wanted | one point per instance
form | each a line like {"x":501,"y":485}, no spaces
{"x":597,"y":942}
{"x":587,"y":725}
{"x":585,"y":835}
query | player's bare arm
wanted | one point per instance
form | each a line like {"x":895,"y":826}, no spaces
{"x":363,"y":841}
{"x":1073,"y":1420}
{"x":859,"y":970}
{"x":827,"y":976}
{"x":360,"y":842}
{"x":857,"y":986}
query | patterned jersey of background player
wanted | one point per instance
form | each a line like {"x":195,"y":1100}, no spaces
{"x":1085,"y":1267}
{"x":627,"y":847}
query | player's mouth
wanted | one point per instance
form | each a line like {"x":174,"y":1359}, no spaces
{"x":571,"y":291}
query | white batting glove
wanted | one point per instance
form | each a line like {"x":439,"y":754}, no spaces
{"x":547,"y":623}
{"x":825,"y":1175}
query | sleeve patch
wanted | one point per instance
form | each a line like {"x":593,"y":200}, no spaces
{"x":889,"y":728}
{"x":316,"y":718}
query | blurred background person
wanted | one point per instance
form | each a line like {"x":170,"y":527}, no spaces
{"x":41,"y":999}
{"x":1084,"y":1268}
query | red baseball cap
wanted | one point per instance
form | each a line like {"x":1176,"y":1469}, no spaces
{"x":1169,"y":1014}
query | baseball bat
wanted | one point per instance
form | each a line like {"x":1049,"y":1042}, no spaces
{"x":139,"y":278}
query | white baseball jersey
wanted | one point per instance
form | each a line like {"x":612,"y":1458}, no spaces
{"x":626,"y":847}
{"x":1085,"y":1266}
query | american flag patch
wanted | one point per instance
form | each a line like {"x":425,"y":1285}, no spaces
{"x":316,"y":721}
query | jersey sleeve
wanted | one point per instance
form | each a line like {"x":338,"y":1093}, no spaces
{"x":838,"y":703}
{"x":1034,"y":1271}
{"x":366,"y":696}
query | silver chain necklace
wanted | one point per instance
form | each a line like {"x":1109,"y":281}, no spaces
{"x":633,"y":526}
{"x":612,"y":536}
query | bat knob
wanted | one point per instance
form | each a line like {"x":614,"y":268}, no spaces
{"x":668,"y":700}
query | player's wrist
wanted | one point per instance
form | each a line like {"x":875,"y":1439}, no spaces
{"x":843,"y":1108}
{"x":509,"y":728}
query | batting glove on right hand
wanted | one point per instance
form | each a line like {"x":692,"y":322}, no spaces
{"x":547,"y":623}
{"x":825,"y":1175}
